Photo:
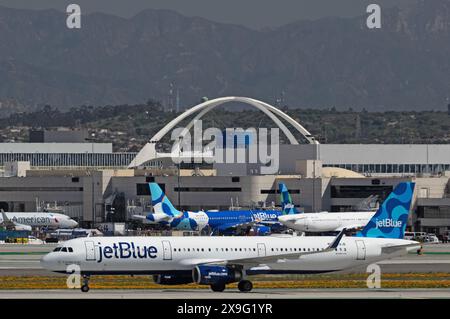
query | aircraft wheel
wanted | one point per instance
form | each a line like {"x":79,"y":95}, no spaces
{"x":245,"y":286}
{"x":218,"y":287}
{"x":85,"y":288}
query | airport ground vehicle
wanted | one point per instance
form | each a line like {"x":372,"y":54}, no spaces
{"x":422,"y":237}
{"x":431,"y":238}
{"x":445,"y":237}
{"x":218,"y":261}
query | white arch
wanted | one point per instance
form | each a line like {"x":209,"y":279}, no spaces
{"x":148,"y":152}
{"x":277,"y":121}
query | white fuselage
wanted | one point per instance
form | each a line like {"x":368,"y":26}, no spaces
{"x":155,"y":255}
{"x":325,"y":221}
{"x":40,"y":219}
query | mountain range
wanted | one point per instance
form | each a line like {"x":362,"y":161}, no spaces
{"x":160,"y":54}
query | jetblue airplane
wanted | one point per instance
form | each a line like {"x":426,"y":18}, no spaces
{"x":218,"y":261}
{"x":325,"y":221}
{"x":218,"y":221}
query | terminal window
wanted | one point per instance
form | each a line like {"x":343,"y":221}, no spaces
{"x":362,"y":191}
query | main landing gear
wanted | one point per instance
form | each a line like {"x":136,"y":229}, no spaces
{"x":243,"y":286}
{"x":218,"y":287}
{"x":85,"y":286}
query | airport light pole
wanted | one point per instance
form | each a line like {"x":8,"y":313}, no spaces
{"x":92,"y":180}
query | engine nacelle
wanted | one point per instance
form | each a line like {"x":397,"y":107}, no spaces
{"x":209,"y":275}
{"x":262,"y":230}
{"x":172,"y":279}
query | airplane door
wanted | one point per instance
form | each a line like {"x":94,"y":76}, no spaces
{"x":90,"y":250}
{"x":167,"y":250}
{"x":261,"y":250}
{"x":360,"y":250}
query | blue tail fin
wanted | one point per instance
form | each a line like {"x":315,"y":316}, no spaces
{"x":391,"y":218}
{"x":286,"y":201}
{"x":161,"y":204}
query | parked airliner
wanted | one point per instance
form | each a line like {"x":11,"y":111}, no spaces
{"x":326,"y":221}
{"x":26,"y":221}
{"x":218,"y":261}
{"x":217,"y":221}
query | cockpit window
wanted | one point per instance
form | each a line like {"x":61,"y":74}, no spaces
{"x":57,"y":249}
{"x":70,"y":249}
{"x":64,"y":249}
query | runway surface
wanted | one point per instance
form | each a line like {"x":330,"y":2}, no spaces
{"x":230,"y":294}
{"x":23,"y":260}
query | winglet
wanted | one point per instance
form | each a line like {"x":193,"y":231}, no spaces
{"x":337,"y":240}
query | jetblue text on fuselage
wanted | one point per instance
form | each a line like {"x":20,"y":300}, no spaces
{"x":125,"y":250}
{"x":264,"y":216}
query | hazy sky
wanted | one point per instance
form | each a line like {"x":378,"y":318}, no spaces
{"x":251,"y":13}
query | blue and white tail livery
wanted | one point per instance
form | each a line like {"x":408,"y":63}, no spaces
{"x":287,"y":205}
{"x":391,"y":218}
{"x":161,"y":204}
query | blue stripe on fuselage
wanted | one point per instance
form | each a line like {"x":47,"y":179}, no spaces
{"x":219,"y":218}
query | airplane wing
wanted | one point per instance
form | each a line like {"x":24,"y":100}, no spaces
{"x":399,"y":248}
{"x":351,"y":227}
{"x":253,"y":261}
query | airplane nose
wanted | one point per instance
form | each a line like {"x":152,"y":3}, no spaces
{"x":45,"y":262}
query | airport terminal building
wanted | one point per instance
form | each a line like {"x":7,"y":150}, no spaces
{"x":93,"y":184}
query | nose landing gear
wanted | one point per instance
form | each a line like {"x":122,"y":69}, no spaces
{"x":85,"y":286}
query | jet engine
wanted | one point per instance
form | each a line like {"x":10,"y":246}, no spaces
{"x":172,"y":279}
{"x":211,"y":275}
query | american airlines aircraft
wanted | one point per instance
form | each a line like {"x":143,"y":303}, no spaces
{"x":26,"y":221}
{"x":325,"y":221}
{"x":218,"y":261}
